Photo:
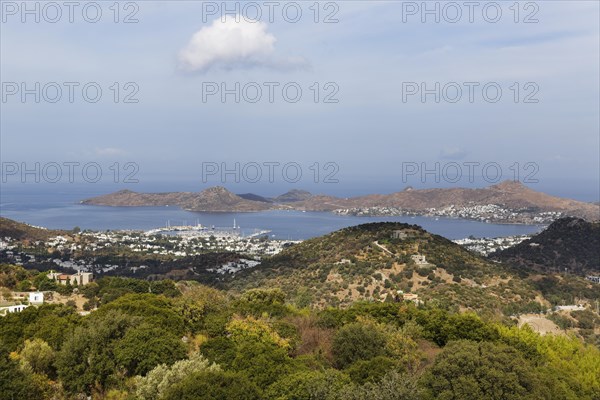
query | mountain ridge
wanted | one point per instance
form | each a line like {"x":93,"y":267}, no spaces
{"x":213,"y":199}
{"x":374,"y":261}
{"x":509,"y":195}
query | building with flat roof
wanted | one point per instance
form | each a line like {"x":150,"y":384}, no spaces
{"x":79,"y":278}
{"x":419,"y":259}
{"x":36,"y":298}
{"x":12,"y":309}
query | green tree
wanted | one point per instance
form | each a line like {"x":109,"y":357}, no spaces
{"x":198,"y":304}
{"x":467,"y":326}
{"x":53,"y":323}
{"x":39,"y":356}
{"x":308,"y":385}
{"x":263,"y":363}
{"x":145,"y":346}
{"x":162,"y":377}
{"x":17,"y":384}
{"x":24,"y":286}
{"x":11,"y":275}
{"x":87,"y":358}
{"x":43,"y":283}
{"x":569,"y":368}
{"x":393,"y":386}
{"x":262,"y":301}
{"x":253,"y":347}
{"x":361,"y":340}
{"x":211,"y":385}
{"x":48,"y":322}
{"x":433,"y":322}
{"x":65,"y":289}
{"x":372,"y":370}
{"x":221,"y":350}
{"x":90,"y":290}
{"x":154,"y":309}
{"x":470,"y":370}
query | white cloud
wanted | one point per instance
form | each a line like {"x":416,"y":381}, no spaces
{"x":233,"y":44}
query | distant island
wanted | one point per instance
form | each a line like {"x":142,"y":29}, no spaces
{"x":506,"y":202}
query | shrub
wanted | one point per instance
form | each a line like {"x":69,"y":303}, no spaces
{"x":162,"y":377}
{"x":484,"y":370}
{"x":308,"y":385}
{"x":144,"y":347}
{"x":358,"y":341}
{"x":210,"y":385}
{"x":372,"y":370}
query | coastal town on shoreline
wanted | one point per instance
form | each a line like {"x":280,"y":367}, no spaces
{"x":490,"y":213}
{"x":84,"y":251}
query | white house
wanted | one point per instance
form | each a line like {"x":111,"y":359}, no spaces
{"x":595,"y":279}
{"x":577,"y":307}
{"x":399,"y":235}
{"x":12,"y":309}
{"x":36,"y":298}
{"x":419,"y":259}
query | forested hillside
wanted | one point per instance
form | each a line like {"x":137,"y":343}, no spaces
{"x":194,"y":342}
{"x":375,"y":261}
{"x":568,"y":244}
{"x":379,"y":311}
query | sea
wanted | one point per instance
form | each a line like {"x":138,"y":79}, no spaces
{"x":60,"y":208}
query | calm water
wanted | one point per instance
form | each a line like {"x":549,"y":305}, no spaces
{"x":60,"y":209}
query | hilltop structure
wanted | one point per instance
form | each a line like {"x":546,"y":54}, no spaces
{"x":80,"y":278}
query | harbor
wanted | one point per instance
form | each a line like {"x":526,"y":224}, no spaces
{"x":202,"y":231}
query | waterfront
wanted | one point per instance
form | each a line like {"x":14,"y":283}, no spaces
{"x":287,"y":225}
{"x":60,"y":209}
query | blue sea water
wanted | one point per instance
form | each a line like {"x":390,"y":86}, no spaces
{"x":60,"y":209}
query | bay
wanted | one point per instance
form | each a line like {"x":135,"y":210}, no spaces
{"x":61,"y":210}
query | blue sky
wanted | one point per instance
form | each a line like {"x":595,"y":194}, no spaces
{"x":170,"y":53}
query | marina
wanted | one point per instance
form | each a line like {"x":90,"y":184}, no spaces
{"x":200,"y":231}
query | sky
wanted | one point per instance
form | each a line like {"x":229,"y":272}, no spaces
{"x":392,"y":95}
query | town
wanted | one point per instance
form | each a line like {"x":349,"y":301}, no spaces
{"x":490,"y":213}
{"x":84,"y":251}
{"x":486,"y":246}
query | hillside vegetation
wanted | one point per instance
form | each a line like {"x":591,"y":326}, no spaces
{"x":366,"y":262}
{"x":193,"y":342}
{"x":324,"y":319}
{"x":24,"y":232}
{"x":570,"y":244}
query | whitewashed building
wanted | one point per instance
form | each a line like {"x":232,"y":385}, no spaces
{"x":36,"y":298}
{"x":419,"y":259}
{"x":12,"y":309}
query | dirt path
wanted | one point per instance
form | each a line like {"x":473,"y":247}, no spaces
{"x":383,"y":248}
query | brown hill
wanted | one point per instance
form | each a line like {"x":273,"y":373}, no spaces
{"x":510,"y":195}
{"x":368,"y":262}
{"x":215,"y":199}
{"x":20,"y":231}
